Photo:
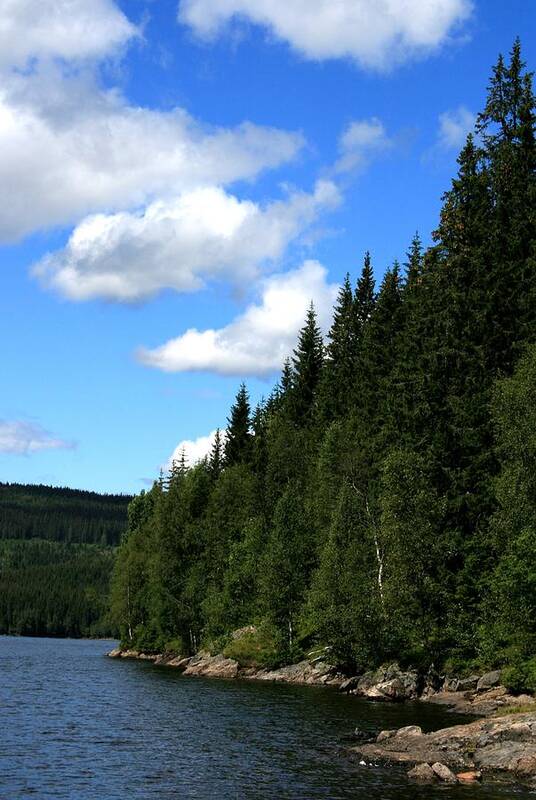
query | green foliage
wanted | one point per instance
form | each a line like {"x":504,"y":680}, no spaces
{"x":510,"y":606}
{"x":286,"y":565}
{"x":382,"y":501}
{"x":257,"y":648}
{"x":345,"y":599}
{"x":521,"y":677}
{"x":56,"y":559}
{"x":411,"y":550}
{"x":238,"y":439}
{"x":60,"y":514}
{"x":54,"y":588}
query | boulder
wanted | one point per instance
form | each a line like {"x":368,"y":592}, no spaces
{"x":409,"y":730}
{"x":432,"y":683}
{"x":450,"y":684}
{"x":468,"y":684}
{"x":349,"y":684}
{"x":423,"y":773}
{"x":389,"y":683}
{"x":444,"y":773}
{"x":489,"y":680}
{"x":212,"y":666}
{"x":115,"y":653}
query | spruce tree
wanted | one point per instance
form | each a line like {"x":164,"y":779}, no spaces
{"x":364,"y":297}
{"x":307,"y":363}
{"x":238,"y":439}
{"x":341,"y":356}
{"x":216,"y":456}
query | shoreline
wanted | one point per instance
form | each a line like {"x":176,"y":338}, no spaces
{"x":499,"y":745}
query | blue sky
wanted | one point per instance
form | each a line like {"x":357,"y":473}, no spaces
{"x":180,"y":180}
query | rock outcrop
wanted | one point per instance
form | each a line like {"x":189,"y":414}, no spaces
{"x":503,"y":747}
{"x":388,"y":683}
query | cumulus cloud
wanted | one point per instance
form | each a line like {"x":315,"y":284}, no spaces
{"x":360,"y":141}
{"x":178,"y":244}
{"x":67,"y":29}
{"x":23,"y":438}
{"x":258,"y":340}
{"x":376,"y":33}
{"x":454,"y":127}
{"x":86,"y":150}
{"x":194,"y":450}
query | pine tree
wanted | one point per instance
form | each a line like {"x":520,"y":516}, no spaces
{"x":238,"y":439}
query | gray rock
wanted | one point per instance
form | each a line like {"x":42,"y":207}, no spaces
{"x":489,"y":680}
{"x":468,"y":684}
{"x":444,"y":773}
{"x":409,"y":730}
{"x":349,"y":684}
{"x":383,"y":735}
{"x":389,"y":683}
{"x":423,"y":773}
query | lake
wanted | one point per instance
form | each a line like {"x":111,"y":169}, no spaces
{"x":76,"y":724}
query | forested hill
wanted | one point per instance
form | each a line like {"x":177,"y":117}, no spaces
{"x":382,"y":501}
{"x":57,"y":549}
{"x":61,"y":514}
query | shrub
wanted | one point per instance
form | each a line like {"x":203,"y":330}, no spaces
{"x":521,"y":677}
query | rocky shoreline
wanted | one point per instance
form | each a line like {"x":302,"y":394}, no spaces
{"x":498,"y":748}
{"x":499,"y":745}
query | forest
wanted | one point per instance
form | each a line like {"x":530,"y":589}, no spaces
{"x":61,"y":514}
{"x":381,"y":502}
{"x":57,"y":550}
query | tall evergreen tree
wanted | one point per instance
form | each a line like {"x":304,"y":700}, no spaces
{"x":307,"y":362}
{"x":238,"y":439}
{"x":364,"y":296}
{"x":216,"y":456}
{"x":341,"y":356}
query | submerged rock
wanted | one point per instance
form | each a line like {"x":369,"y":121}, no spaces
{"x":469,"y":777}
{"x":423,"y":773}
{"x":444,"y":773}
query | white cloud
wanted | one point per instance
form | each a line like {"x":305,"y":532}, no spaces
{"x":204,"y":233}
{"x":23,"y":438}
{"x":258,"y":341}
{"x":360,"y":141}
{"x":375,"y":33}
{"x":68,"y":149}
{"x":454,"y":127}
{"x":194,"y":450}
{"x":67,"y":29}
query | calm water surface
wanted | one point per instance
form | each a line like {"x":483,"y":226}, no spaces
{"x":78,"y":725}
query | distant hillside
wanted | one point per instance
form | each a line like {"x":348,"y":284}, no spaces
{"x":60,"y":514}
{"x":57,"y":550}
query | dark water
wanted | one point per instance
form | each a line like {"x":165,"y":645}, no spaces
{"x":75,"y":724}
